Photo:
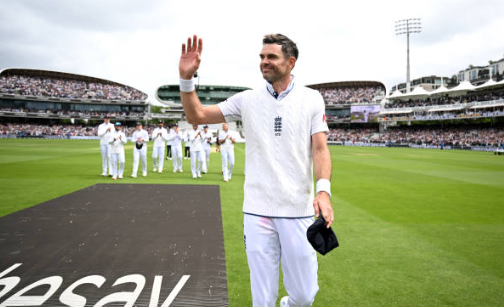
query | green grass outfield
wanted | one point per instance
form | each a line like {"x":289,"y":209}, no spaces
{"x":416,"y":227}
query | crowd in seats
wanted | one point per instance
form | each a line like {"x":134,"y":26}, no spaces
{"x":34,"y":130}
{"x":66,"y":88}
{"x":444,"y":100}
{"x":469,"y":135}
{"x":37,"y":130}
{"x":349,"y":95}
{"x":449,"y":136}
{"x":351,"y":135}
{"x":76,"y":113}
{"x":459,"y":136}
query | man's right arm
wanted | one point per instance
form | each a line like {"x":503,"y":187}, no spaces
{"x":189,"y":63}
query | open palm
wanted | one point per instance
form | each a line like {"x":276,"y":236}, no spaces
{"x":190,"y":58}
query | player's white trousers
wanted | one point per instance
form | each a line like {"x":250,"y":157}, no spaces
{"x":228,"y":160}
{"x":137,"y":156}
{"x":117,"y":158}
{"x":177,"y":157}
{"x":158,"y":157}
{"x":105,"y":155}
{"x":207,"y":151}
{"x":197,"y":156}
{"x":271,"y":241}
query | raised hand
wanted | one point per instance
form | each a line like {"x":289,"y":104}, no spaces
{"x":190,"y":58}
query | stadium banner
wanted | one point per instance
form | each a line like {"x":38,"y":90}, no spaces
{"x":364,"y":114}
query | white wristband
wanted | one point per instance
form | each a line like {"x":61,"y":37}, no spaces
{"x":324,"y":185}
{"x":187,"y":86}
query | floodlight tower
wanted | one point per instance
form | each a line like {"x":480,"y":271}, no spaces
{"x":407,"y":26}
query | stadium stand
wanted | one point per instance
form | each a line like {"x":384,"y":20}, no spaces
{"x":350,"y":92}
{"x":41,"y":94}
{"x":457,"y":136}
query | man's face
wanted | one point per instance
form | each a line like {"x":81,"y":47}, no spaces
{"x":205,"y":129}
{"x":225,"y":127}
{"x":195,"y":127}
{"x":139,"y":127}
{"x":160,"y":125}
{"x":274,"y":66}
{"x":118,"y":128}
{"x":106,"y":120}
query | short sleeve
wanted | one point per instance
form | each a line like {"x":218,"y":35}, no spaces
{"x":231,"y":108}
{"x":319,"y":121}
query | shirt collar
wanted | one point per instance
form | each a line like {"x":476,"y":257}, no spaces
{"x":283,"y":94}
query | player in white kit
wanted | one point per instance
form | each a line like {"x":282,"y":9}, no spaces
{"x":197,"y":154}
{"x":207,"y":147}
{"x":159,"y":138}
{"x":104,"y":131}
{"x":140,"y":137}
{"x":226,"y":141}
{"x":286,"y":143}
{"x":176,"y":138}
{"x":117,"y":141}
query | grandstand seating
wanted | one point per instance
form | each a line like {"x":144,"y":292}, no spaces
{"x":29,"y":93}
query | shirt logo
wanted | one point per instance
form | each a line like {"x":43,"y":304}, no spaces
{"x":278,"y":126}
{"x":323,"y":118}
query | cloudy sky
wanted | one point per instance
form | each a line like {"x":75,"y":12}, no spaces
{"x":138,"y":42}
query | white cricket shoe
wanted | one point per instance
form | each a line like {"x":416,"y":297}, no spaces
{"x":180,"y":171}
{"x":114,"y":177}
{"x":120,"y":177}
{"x":284,"y":301}
{"x":133,"y":176}
{"x":144,"y":174}
{"x":199,"y":175}
{"x":155,"y":169}
{"x":104,"y":174}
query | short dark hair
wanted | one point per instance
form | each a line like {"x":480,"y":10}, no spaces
{"x":289,"y":48}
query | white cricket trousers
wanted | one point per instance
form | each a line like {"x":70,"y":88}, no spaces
{"x":117,"y":158}
{"x":228,"y":160}
{"x":177,"y":157}
{"x":158,"y":157}
{"x":207,"y":150}
{"x":197,"y":156}
{"x":105,"y":155}
{"x":140,"y":154}
{"x":269,"y":241}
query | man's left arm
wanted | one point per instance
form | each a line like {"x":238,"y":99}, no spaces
{"x":322,"y":167}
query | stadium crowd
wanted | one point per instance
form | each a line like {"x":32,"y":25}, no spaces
{"x":349,"y":95}
{"x":37,"y":130}
{"x":444,"y":100}
{"x":448,"y":136}
{"x":75,"y":113}
{"x":66,"y":88}
{"x":471,"y":135}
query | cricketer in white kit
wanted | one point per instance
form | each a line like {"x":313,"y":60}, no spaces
{"x":104,"y":131}
{"x":197,"y":154}
{"x":286,"y":142}
{"x":207,"y":147}
{"x":159,"y":138}
{"x":140,"y":137}
{"x":176,"y":138}
{"x":226,"y":140}
{"x":117,"y":141}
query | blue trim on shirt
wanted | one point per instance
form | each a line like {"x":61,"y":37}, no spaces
{"x":280,"y":217}
{"x":283,"y":94}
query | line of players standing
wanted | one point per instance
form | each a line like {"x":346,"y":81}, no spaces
{"x":197,"y":143}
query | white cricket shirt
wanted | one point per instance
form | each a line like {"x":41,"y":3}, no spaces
{"x":278,"y":149}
